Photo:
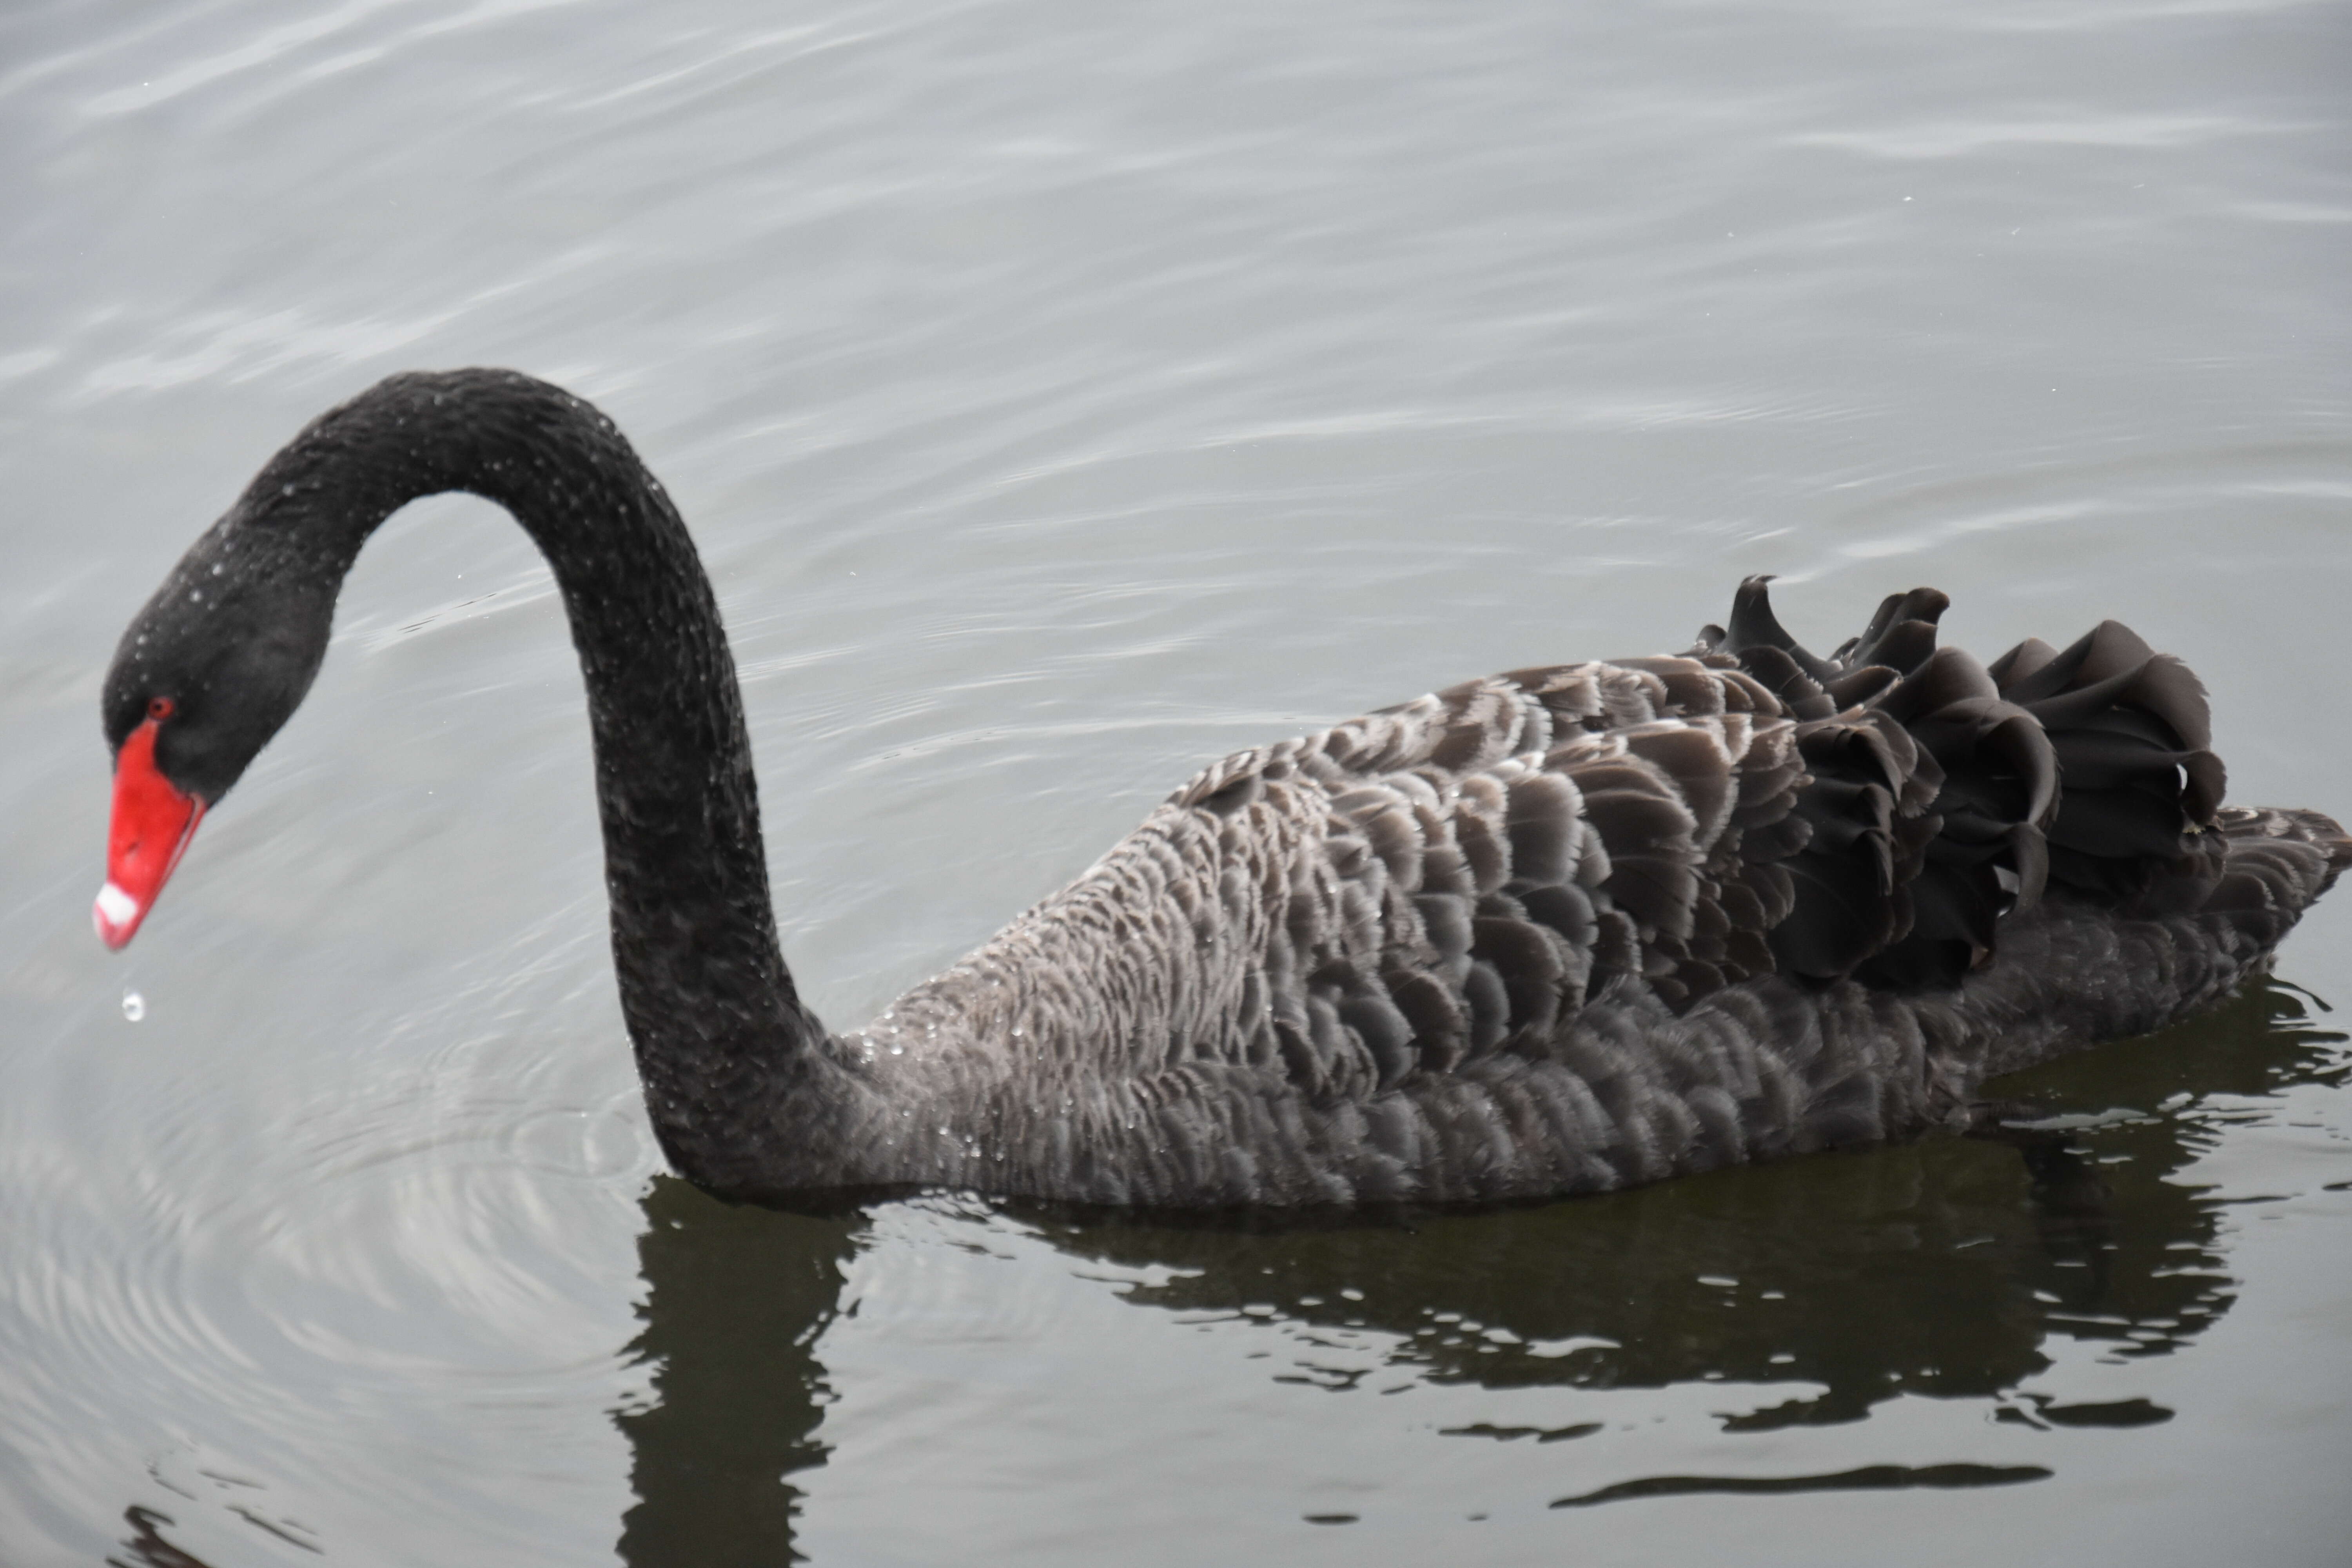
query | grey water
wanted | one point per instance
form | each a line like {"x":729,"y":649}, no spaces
{"x":1063,"y":395}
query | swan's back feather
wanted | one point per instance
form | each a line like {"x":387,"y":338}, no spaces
{"x":1573,"y":928}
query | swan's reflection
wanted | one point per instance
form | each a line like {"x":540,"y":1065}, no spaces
{"x":1939,"y":1268}
{"x":736,"y":1300}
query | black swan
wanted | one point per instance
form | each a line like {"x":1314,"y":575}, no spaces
{"x":1559,"y":930}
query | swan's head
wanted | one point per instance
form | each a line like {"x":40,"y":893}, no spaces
{"x":212,"y":667}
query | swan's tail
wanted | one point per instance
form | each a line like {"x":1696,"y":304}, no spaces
{"x":2277,"y":862}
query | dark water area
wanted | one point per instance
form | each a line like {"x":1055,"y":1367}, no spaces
{"x":1062,"y":397}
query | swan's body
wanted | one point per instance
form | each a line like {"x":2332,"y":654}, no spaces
{"x":1560,"y":931}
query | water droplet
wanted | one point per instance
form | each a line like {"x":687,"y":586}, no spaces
{"x":134,"y":1005}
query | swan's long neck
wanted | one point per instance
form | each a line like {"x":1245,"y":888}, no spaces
{"x":721,"y":1035}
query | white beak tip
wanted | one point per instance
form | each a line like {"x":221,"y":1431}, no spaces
{"x":116,"y":915}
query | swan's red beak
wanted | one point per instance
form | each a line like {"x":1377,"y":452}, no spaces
{"x":152,"y":824}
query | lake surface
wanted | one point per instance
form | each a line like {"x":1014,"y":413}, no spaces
{"x":1063,"y":395}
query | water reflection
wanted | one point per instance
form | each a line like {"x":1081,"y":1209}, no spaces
{"x":735,"y":1299}
{"x":1942,"y":1268}
{"x":147,"y":1546}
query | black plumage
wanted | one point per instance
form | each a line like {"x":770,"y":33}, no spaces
{"x":1557,"y":931}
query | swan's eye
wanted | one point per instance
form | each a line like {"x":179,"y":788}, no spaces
{"x":161,"y":708}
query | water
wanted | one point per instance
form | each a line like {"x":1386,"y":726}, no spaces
{"x":1063,"y":396}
